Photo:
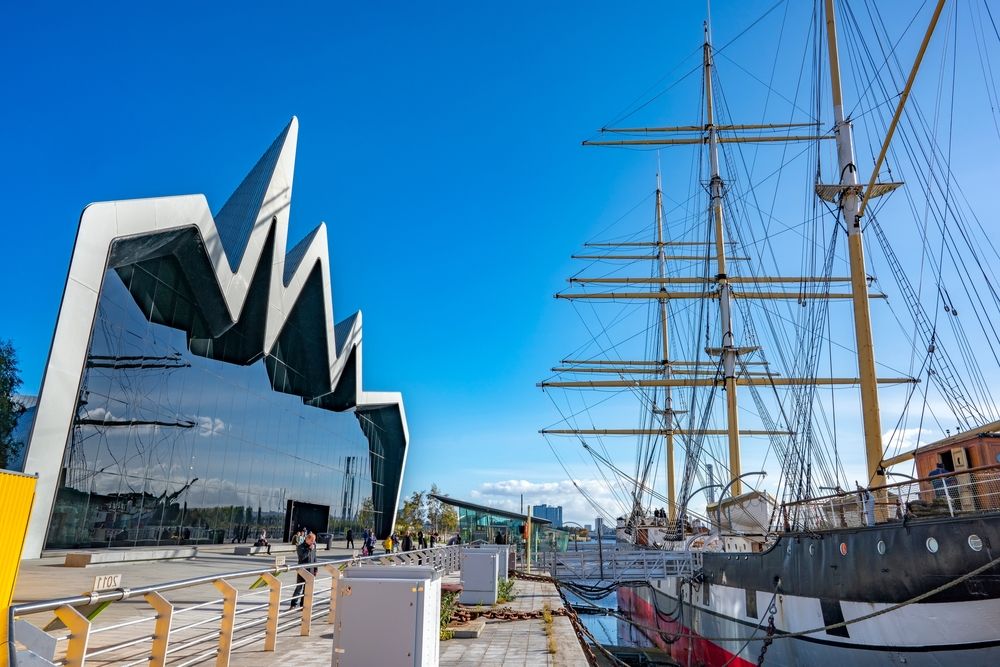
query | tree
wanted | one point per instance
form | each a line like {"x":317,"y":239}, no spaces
{"x":366,"y":513}
{"x":449,"y":519}
{"x":411,"y":517}
{"x":434,"y":508}
{"x":10,"y":409}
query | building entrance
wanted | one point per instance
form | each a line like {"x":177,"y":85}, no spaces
{"x":306,"y":515}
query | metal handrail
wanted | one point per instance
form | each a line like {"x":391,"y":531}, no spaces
{"x":963,"y":492}
{"x":443,"y":558}
{"x":896,"y":485}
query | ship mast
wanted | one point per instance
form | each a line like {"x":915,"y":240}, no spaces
{"x":852,"y":204}
{"x":668,"y":407}
{"x":668,"y":373}
{"x":725,"y":289}
{"x":850,"y":200}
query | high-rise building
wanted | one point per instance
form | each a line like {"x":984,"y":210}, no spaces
{"x":551,"y":512}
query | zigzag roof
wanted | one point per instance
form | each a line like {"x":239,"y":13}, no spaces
{"x":254,"y":298}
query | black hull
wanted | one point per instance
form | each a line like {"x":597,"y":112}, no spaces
{"x":817,"y":580}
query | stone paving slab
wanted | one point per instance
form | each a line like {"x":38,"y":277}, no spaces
{"x":519,"y":643}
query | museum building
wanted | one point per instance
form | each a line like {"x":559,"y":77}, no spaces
{"x":197,"y":390}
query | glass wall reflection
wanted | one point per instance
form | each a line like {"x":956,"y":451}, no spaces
{"x":172,"y":448}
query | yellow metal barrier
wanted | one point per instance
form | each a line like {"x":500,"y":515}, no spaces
{"x":17,"y":492}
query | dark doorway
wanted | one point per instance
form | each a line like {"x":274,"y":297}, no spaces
{"x":307,"y":515}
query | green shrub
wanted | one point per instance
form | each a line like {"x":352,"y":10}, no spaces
{"x":505,"y":591}
{"x":449,"y":603}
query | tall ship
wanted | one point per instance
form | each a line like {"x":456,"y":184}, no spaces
{"x":832,"y":471}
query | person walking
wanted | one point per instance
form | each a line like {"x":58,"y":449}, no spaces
{"x":407,"y":543}
{"x":387,"y":544}
{"x":434,"y":538}
{"x":421,"y":540}
{"x":306,"y":553}
{"x":299,"y":537}
{"x":350,"y":539}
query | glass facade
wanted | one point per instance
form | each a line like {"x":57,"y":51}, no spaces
{"x":479,"y":525}
{"x":169,"y":447}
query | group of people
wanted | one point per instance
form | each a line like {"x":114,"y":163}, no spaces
{"x":407,"y":542}
{"x":395,"y":543}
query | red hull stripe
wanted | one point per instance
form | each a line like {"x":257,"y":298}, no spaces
{"x":702,"y":651}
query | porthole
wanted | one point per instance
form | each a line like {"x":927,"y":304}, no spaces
{"x":812,"y":549}
{"x":975,"y":543}
{"x":932,"y":545}
{"x":880,"y":547}
{"x":843,"y":548}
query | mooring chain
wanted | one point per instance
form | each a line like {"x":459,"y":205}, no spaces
{"x":769,"y":638}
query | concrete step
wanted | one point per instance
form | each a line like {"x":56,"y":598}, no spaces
{"x":470,"y":630}
{"x":105,"y":556}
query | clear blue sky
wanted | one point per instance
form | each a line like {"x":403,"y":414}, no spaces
{"x":439,"y":141}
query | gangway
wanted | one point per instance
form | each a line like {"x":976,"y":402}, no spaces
{"x":620,"y":564}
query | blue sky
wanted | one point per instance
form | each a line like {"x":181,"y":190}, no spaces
{"x":439,"y":141}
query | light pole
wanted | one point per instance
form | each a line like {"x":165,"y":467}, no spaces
{"x":722,"y":496}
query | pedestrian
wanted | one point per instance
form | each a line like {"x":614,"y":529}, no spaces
{"x":938,"y":484}
{"x":867,"y":503}
{"x":299,"y":537}
{"x":407,"y":544}
{"x":421,"y":540}
{"x":387,"y":544}
{"x":350,"y":539}
{"x":306,"y":553}
{"x":434,"y":538}
{"x":262,"y":541}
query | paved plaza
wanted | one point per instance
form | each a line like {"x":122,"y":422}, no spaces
{"x":515,"y":643}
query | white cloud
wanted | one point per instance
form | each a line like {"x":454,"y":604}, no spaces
{"x":506,"y":494}
{"x":209,"y":426}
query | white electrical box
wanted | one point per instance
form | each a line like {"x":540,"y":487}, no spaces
{"x":388,"y":617}
{"x":479,"y":576}
{"x":504,"y":553}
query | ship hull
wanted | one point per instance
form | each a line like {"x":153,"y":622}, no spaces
{"x":817,"y":580}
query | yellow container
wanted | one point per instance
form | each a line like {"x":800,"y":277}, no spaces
{"x":17,"y":492}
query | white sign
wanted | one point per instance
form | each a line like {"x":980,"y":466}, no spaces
{"x":107,"y":582}
{"x":279,"y":561}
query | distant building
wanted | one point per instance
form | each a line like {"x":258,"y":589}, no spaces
{"x":551,"y":512}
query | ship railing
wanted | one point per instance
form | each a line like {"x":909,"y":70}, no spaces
{"x":959,"y":493}
{"x":195,"y":620}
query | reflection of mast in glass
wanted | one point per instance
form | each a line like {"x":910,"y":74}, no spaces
{"x":76,"y":472}
{"x":350,"y":474}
